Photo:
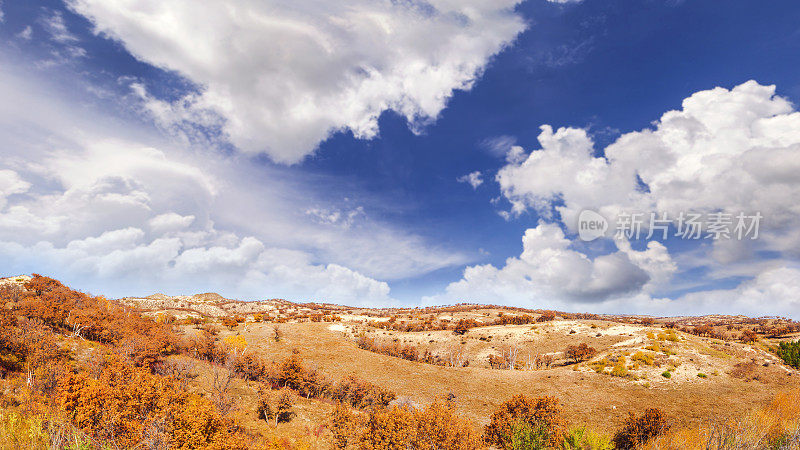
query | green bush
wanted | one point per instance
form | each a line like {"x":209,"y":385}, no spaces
{"x":666,"y":374}
{"x":529,"y":437}
{"x":790,"y":353}
{"x":702,"y":375}
{"x":582,"y":438}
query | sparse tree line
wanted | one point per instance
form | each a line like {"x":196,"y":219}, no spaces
{"x":453,"y":356}
{"x":746,"y":331}
{"x":509,"y":358}
{"x":461,"y":326}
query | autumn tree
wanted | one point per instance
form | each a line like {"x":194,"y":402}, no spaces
{"x":360,"y":393}
{"x":749,"y":336}
{"x":463,"y":326}
{"x":284,"y":406}
{"x":345,"y":426}
{"x":440,"y":427}
{"x":546,"y":316}
{"x":579,"y":353}
{"x":436,"y":426}
{"x":229,"y":322}
{"x":221,"y":380}
{"x":276,"y":333}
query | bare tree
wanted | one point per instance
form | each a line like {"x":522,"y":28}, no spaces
{"x":276,"y":330}
{"x":77,"y":329}
{"x":182,"y":370}
{"x":220,"y":390}
{"x":455,"y":356}
{"x":510,"y":354}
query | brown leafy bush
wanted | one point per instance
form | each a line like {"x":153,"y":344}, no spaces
{"x":639,"y":430}
{"x":229,"y":322}
{"x":139,"y":338}
{"x":542,"y":412}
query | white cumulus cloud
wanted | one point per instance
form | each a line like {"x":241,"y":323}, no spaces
{"x":284,"y":75}
{"x":473,"y":179}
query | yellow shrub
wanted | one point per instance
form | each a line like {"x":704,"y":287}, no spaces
{"x":654,"y":347}
{"x":238,"y":344}
{"x":600,"y":365}
{"x":768,"y":427}
{"x":644,"y":358}
{"x":671,"y":336}
{"x":619,"y":369}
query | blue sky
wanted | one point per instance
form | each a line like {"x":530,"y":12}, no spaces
{"x":307,"y":151}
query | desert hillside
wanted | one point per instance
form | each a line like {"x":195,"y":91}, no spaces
{"x":711,"y":362}
{"x":277,"y":374}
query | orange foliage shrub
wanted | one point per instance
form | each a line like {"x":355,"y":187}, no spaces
{"x":141,"y":339}
{"x":639,"y":430}
{"x":126,"y":405}
{"x":360,"y":393}
{"x":546,"y":316}
{"x":542,"y":412}
{"x":12,"y":350}
{"x":749,"y":336}
{"x":344,"y":425}
{"x":464,"y":325}
{"x":408,"y":352}
{"x":229,"y":322}
{"x":402,"y":427}
{"x":776,"y":425}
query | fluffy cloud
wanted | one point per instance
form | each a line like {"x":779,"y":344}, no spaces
{"x":473,"y":179}
{"x":550,"y":272}
{"x":11,"y":183}
{"x":772,"y":292}
{"x":170,"y":222}
{"x":284,"y":75}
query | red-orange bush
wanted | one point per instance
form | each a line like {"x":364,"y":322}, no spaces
{"x":360,"y":393}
